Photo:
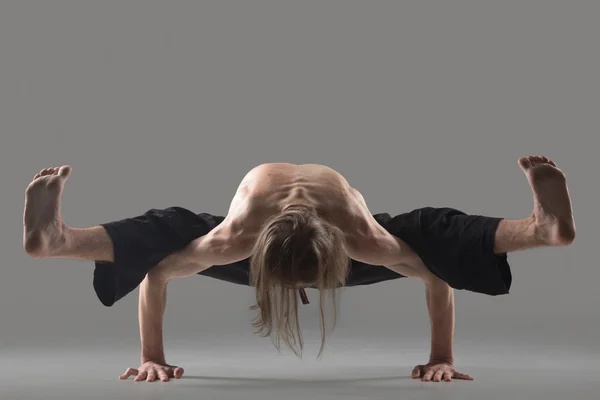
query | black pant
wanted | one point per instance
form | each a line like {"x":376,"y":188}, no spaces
{"x":456,"y":247}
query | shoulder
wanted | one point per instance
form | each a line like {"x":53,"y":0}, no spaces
{"x":267,"y":168}
{"x":356,"y":195}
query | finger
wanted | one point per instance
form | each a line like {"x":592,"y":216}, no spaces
{"x":428,"y":375}
{"x":129,"y":372}
{"x":151,"y":376}
{"x":162,"y":375}
{"x":178,"y":373}
{"x":438,"y":375}
{"x":447,"y":376}
{"x":141,"y":376}
{"x":416,"y":372}
{"x":459,"y":375}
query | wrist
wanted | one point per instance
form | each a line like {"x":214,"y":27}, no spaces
{"x":156,"y":359}
{"x":154,"y":355}
{"x":441,"y":360}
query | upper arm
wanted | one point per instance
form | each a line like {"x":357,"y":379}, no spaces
{"x":221,"y":246}
{"x":234,"y":238}
{"x":228,"y":243}
{"x":367,"y":240}
{"x":373,"y":245}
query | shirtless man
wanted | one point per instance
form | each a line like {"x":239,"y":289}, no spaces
{"x":291,"y":227}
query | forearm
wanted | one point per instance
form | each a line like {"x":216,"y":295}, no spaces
{"x":215,"y":248}
{"x":440,"y":303}
{"x":152,"y":302}
{"x":153,"y":298}
{"x":153,"y":293}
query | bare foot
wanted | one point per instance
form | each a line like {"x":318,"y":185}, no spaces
{"x":44,"y":229}
{"x":552,"y":212}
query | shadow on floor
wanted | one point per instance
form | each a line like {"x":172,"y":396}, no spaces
{"x":256,"y":382}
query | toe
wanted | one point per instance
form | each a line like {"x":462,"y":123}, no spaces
{"x":36,"y":176}
{"x":545,"y":159}
{"x":552,"y":163}
{"x":44,"y":172}
{"x":525,"y":162}
{"x":64,"y":171}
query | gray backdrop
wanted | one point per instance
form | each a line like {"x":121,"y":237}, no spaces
{"x":417,"y":104}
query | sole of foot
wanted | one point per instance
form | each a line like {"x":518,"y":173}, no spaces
{"x":43,"y":227}
{"x":552,"y":211}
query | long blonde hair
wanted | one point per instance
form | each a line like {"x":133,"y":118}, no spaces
{"x":296,"y":249}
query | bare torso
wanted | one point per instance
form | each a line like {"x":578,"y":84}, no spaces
{"x":268,"y":188}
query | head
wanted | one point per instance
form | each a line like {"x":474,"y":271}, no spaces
{"x":295,"y":249}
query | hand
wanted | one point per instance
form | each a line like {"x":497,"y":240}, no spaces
{"x":150,"y":371}
{"x":438,"y":370}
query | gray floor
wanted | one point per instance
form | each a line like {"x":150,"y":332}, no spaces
{"x":376,"y":371}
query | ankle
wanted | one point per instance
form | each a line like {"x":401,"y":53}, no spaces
{"x":552,"y":232}
{"x":556,"y":232}
{"x":63,"y":244}
{"x":537,"y":231}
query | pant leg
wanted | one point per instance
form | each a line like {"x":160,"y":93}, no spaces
{"x":142,"y":242}
{"x":456,"y":247}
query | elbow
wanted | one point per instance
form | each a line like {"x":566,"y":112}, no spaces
{"x":158,"y":276}
{"x":435,"y":285}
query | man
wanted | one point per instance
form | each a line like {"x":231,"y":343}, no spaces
{"x":291,"y":227}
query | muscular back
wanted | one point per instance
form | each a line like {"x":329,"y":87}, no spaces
{"x":268,"y":188}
